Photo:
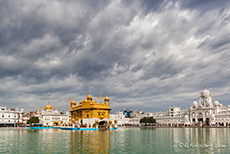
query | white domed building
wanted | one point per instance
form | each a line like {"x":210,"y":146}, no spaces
{"x":205,"y":112}
{"x":49,"y":116}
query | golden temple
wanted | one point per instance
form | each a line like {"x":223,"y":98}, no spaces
{"x":89,"y":109}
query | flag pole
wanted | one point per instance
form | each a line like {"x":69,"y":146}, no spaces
{"x":100,"y":98}
{"x":69,"y":104}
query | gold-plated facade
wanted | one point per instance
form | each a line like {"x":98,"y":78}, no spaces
{"x":90,"y":109}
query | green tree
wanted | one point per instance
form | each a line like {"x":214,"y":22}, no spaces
{"x":147,"y":120}
{"x":33,"y":120}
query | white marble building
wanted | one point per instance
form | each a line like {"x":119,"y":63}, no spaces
{"x":204,"y":112}
{"x":11,"y":117}
{"x":135,"y":118}
{"x":51,"y":117}
{"x":120,"y":117}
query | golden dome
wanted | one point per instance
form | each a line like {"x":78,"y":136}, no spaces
{"x":89,"y":97}
{"x":73,"y":102}
{"x":106,"y":98}
{"x":48,"y":107}
{"x":85,"y":100}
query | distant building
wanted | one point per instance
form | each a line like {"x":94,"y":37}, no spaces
{"x":27,"y":116}
{"x":134,"y":119}
{"x":120,"y":117}
{"x":11,"y":117}
{"x":127,"y":112}
{"x":30,"y":114}
{"x":205,"y":112}
{"x":49,"y":116}
{"x":136,"y":113}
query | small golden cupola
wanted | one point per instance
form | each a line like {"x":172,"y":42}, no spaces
{"x":106,"y":99}
{"x":48,"y":107}
{"x":73,"y":103}
{"x":89,"y":97}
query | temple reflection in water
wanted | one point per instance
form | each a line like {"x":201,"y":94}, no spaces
{"x":90,"y":141}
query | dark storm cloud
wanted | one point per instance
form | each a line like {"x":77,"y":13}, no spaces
{"x":204,"y":6}
{"x":140,"y":54}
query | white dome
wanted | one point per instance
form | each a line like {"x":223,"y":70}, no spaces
{"x":216,"y":103}
{"x":56,"y":112}
{"x":195,"y":104}
{"x":205,"y":92}
{"x":220,"y":105}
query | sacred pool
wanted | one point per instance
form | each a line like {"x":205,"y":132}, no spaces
{"x":123,"y":140}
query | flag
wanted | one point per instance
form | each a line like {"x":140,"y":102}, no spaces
{"x":69,"y":99}
{"x":100,"y":97}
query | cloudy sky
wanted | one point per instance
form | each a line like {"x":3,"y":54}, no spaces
{"x":145,"y":55}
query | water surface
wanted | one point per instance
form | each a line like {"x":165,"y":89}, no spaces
{"x":123,"y":140}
